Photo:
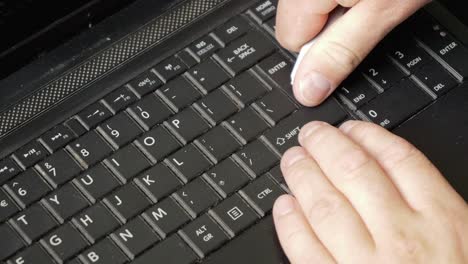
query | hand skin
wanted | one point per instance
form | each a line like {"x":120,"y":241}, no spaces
{"x":363,"y":195}
{"x":342,"y":46}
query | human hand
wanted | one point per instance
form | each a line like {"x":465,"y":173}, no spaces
{"x":342,"y":46}
{"x":364,"y":195}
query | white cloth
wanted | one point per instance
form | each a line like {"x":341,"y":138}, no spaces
{"x":337,"y":13}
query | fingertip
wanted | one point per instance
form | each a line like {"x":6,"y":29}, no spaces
{"x":284,"y":205}
{"x":312,"y":88}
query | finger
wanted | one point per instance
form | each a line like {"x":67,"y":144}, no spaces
{"x":415,"y":176}
{"x":344,"y":45}
{"x":298,"y":21}
{"x":297,"y":239}
{"x":333,"y":219}
{"x":356,"y":174}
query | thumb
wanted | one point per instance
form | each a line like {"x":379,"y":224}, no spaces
{"x":343,"y":46}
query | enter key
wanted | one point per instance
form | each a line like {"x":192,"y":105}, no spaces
{"x":284,"y":135}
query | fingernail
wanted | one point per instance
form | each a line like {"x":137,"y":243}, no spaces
{"x":284,"y":205}
{"x":314,"y":87}
{"x":292,"y":156}
{"x":309,"y":129}
{"x":347,"y":126}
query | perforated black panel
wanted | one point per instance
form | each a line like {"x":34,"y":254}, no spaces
{"x":102,"y":63}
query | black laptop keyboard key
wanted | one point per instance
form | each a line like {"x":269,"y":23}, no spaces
{"x":396,"y":105}
{"x":278,"y":68}
{"x":134,"y":237}
{"x":120,"y":99}
{"x":150,"y":111}
{"x":262,"y":194}
{"x":256,"y":158}
{"x":27,"y":188}
{"x":203,"y":235}
{"x":276,"y":105}
{"x":95,"y":222}
{"x":127,"y":162}
{"x":119,"y":130}
{"x":218,"y":142}
{"x":65,"y":202}
{"x":170,"y":68}
{"x":217,"y":106}
{"x":196,"y":197}
{"x":246,"y":88}
{"x":127,"y":202}
{"x":179,"y":93}
{"x":234,"y":214}
{"x":76,"y":127}
{"x":57,"y":137}
{"x":166,"y":217}
{"x":187,"y":125}
{"x":409,"y":55}
{"x":357,"y":90}
{"x":30,"y":154}
{"x":244,"y":52}
{"x":59,"y":168}
{"x":7,"y":206}
{"x":284,"y":135}
{"x":204,"y":47}
{"x":145,"y":83}
{"x":64,"y":243}
{"x":33,"y":254}
{"x":382,"y":72}
{"x":89,"y":149}
{"x":172,"y":251}
{"x":444,"y":46}
{"x":157,"y":144}
{"x":277,"y":174}
{"x":187,"y":58}
{"x":94,"y":115}
{"x":208,"y":75}
{"x":104,"y":252}
{"x":33,"y":222}
{"x":247,"y":124}
{"x":188,"y":162}
{"x":435,"y":78}
{"x":232,"y":29}
{"x":158,"y":182}
{"x":96,"y":182}
{"x":270,"y":26}
{"x":264,"y":10}
{"x":226,"y":177}
{"x":11,"y":242}
{"x":8,"y":169}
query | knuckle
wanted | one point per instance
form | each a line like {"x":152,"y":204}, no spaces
{"x":318,"y":135}
{"x":398,"y":151}
{"x":408,"y":248}
{"x":352,"y":162}
{"x":340,"y":55}
{"x":325,"y":207}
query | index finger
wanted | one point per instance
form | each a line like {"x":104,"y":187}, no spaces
{"x":299,"y":21}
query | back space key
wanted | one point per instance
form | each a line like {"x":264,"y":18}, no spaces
{"x":245,"y":52}
{"x":284,"y":135}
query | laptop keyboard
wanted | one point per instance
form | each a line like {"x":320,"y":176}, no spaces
{"x":185,"y":156}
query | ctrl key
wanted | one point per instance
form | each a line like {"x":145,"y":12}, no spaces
{"x":64,"y":243}
{"x":262,"y":194}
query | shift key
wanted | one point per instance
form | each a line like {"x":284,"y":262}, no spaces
{"x":284,"y":135}
{"x":245,"y":52}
